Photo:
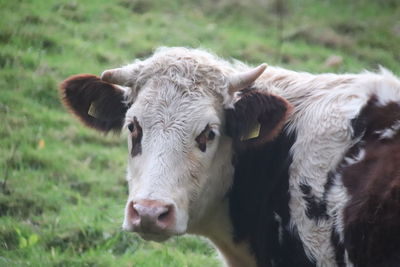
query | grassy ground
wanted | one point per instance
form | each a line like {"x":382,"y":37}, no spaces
{"x":62,"y":188}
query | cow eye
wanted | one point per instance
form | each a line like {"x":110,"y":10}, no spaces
{"x":211,"y":135}
{"x":206,"y":135}
{"x":136,"y":137}
{"x":131,"y":127}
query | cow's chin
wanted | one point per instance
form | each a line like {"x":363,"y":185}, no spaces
{"x":154,"y":237}
{"x":157,"y":236}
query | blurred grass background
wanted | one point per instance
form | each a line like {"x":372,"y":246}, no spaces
{"x":62,"y":187}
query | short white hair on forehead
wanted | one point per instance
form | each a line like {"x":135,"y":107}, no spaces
{"x":188,"y":69}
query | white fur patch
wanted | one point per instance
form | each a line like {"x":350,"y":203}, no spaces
{"x":278,"y":219}
{"x":390,"y":132}
{"x":347,"y":260}
{"x":355,"y":159}
{"x":337,"y":198}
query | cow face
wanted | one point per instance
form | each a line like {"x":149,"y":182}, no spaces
{"x":173,"y":134}
{"x":182,"y":119}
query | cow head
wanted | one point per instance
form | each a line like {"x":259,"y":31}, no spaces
{"x":183,"y":113}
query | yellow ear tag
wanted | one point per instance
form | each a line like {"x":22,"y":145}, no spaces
{"x":92,"y":110}
{"x":253,"y":133}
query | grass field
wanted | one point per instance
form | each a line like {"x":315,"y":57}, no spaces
{"x":62,"y":187}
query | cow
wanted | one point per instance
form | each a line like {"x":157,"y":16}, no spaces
{"x":274,"y":167}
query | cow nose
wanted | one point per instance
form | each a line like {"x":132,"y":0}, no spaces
{"x":151,"y":215}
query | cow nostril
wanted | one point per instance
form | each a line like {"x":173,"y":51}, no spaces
{"x":163,"y":216}
{"x":166,"y":217}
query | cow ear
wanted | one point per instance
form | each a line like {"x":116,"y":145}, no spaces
{"x":96,"y":103}
{"x":256,"y":118}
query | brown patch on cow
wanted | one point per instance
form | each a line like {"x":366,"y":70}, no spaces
{"x":136,"y":136}
{"x":257,"y":107}
{"x":372,"y":215}
{"x":97,"y":104}
{"x":375,"y":117}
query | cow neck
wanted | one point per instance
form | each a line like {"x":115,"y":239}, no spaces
{"x":249,"y":227}
{"x":217,"y":227}
{"x":259,"y":204}
{"x":215,"y":224}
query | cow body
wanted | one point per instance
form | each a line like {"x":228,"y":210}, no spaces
{"x":321,"y":157}
{"x":318,"y":186}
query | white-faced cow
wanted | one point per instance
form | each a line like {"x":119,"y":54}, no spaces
{"x":275,"y":167}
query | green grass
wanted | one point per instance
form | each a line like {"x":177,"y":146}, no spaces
{"x":62,"y":187}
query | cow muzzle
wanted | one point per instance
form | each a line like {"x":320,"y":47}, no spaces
{"x":151,"y":219}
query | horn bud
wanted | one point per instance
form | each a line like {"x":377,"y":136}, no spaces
{"x":242,"y":80}
{"x":120,"y":76}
